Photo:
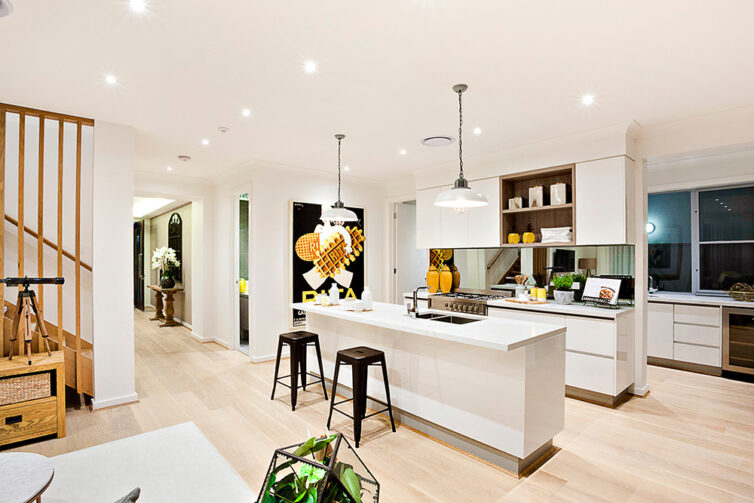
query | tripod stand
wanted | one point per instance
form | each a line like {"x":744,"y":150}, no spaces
{"x":27,"y":302}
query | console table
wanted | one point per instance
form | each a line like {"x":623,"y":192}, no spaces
{"x":167,"y":318}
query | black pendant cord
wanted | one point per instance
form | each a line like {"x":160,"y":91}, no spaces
{"x":339,"y":140}
{"x":460,"y":133}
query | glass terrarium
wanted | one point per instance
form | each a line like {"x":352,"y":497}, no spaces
{"x":320,"y":470}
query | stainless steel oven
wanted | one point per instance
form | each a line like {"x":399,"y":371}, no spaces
{"x":738,"y":339}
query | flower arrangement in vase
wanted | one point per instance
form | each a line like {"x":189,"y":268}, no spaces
{"x":166,"y":261}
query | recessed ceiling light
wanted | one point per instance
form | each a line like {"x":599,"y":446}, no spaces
{"x":587,"y":100}
{"x":170,"y":168}
{"x":403,"y":151}
{"x":477,"y":130}
{"x":138,"y":5}
{"x":205,"y":142}
{"x":246,"y":112}
{"x":310,"y":66}
{"x":111,"y":79}
{"x":184,"y":158}
{"x":346,"y":168}
{"x":223,"y":129}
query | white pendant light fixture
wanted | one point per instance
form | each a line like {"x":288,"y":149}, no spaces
{"x":338,"y":214}
{"x":461,"y":197}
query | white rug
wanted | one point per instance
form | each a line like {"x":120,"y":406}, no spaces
{"x":172,"y":464}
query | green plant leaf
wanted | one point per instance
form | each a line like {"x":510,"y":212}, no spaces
{"x":352,"y":484}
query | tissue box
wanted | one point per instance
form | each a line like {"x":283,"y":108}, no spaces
{"x":557,"y":234}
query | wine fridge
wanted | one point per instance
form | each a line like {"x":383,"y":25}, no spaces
{"x":738,"y":340}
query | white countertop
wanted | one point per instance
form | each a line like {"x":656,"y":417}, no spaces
{"x":701,"y":300}
{"x":551,"y":307}
{"x":493,"y":333}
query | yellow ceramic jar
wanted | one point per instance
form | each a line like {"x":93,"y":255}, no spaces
{"x":529,"y":237}
{"x":446,"y":279}
{"x":514,"y":238}
{"x":433,"y":279}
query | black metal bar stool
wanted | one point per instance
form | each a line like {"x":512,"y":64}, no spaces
{"x":360,"y":358}
{"x":298,"y":341}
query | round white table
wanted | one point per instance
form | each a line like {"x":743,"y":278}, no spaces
{"x":24,"y":477}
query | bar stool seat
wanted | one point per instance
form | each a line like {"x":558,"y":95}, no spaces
{"x":298,"y":341}
{"x":360,"y":358}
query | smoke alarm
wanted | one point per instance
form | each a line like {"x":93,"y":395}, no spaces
{"x":223,"y":129}
{"x":437,"y":141}
{"x":6,"y":8}
{"x":184,"y":158}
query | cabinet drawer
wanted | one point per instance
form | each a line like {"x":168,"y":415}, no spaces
{"x":524,"y":315}
{"x":696,"y":334}
{"x":28,"y":420}
{"x":590,"y":336}
{"x":696,"y":354}
{"x":594,"y":373}
{"x":697,"y":315}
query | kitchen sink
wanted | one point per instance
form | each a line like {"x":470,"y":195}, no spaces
{"x":447,"y":318}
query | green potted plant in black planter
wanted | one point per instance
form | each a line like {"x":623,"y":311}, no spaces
{"x":563,"y":293}
{"x":579,"y":278}
{"x":164,"y":259}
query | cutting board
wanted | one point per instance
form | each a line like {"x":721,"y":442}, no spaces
{"x":516,"y":301}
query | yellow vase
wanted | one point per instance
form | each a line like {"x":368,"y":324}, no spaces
{"x":242,"y":285}
{"x":456,"y":277}
{"x":529,"y":237}
{"x":446,"y":279}
{"x":433,"y":279}
{"x":514,"y":238}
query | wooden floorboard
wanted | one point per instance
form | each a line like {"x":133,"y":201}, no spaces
{"x":691,"y":439}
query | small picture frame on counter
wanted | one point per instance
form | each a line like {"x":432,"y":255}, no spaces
{"x":602,"y":291}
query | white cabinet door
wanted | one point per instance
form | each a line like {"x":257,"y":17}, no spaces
{"x":428,"y":219}
{"x":455,"y":228}
{"x":590,"y":372}
{"x":484,"y":222}
{"x":588,"y":335}
{"x":660,"y":330}
{"x":601,"y":197}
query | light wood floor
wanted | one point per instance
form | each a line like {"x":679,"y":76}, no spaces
{"x":691,"y":439}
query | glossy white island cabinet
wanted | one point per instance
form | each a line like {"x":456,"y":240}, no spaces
{"x":493,"y":387}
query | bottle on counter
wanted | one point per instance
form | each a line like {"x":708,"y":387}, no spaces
{"x":367,"y":298}
{"x":334,"y":294}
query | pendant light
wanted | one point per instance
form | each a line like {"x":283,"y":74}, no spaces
{"x":338,"y":214}
{"x":461,"y":197}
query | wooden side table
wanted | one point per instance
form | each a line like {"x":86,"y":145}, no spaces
{"x":167,"y":318}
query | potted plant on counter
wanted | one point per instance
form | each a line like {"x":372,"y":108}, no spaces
{"x":563,"y":293}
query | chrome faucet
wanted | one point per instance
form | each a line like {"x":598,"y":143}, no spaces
{"x":413,"y":310}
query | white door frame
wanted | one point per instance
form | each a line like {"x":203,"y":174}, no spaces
{"x":391,"y":203}
{"x":235,"y":273}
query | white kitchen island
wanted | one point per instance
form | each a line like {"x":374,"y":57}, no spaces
{"x":494,"y":387}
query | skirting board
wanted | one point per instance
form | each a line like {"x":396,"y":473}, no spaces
{"x":691,"y":367}
{"x":112,"y":402}
{"x":268,"y":358}
{"x":209,"y":339}
{"x":640,"y":392}
{"x":598,"y":398}
{"x":507,"y":462}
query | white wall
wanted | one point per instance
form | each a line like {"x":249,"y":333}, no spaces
{"x":113,"y":182}
{"x":272,"y":190}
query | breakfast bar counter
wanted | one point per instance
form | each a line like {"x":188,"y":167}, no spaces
{"x":493,"y":387}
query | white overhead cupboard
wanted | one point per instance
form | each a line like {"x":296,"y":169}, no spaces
{"x":601,"y":198}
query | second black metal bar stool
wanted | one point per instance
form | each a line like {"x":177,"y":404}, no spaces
{"x":360,"y":358}
{"x":298,"y":342}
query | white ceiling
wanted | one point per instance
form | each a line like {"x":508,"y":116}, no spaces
{"x":385,"y":73}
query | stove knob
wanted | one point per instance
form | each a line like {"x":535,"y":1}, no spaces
{"x":446,"y":304}
{"x":475,"y":309}
{"x":465,"y":308}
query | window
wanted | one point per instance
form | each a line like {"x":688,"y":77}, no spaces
{"x":701,"y":240}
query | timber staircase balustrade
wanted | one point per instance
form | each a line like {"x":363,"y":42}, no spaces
{"x":78,"y":353}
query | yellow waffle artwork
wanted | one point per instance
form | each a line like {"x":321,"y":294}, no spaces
{"x":438,"y":256}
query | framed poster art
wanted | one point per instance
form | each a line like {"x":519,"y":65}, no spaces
{"x":322,"y":254}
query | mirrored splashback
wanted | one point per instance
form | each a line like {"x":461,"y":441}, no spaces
{"x":490,"y":267}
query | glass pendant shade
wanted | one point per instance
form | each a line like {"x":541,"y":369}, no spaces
{"x":461,"y":197}
{"x":338,"y":215}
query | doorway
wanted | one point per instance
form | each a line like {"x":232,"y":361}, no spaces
{"x":409,"y":262}
{"x":139,"y":265}
{"x":241,"y":266}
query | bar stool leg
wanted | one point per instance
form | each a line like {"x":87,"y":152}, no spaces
{"x":294,"y":374}
{"x":321,"y":372}
{"x":334,"y":389}
{"x":358,"y":390}
{"x":302,"y":364}
{"x":364,"y":374}
{"x":387,"y":391}
{"x":277,"y":367}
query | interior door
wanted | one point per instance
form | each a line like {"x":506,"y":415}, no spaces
{"x":410,"y":261}
{"x":139,"y":265}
